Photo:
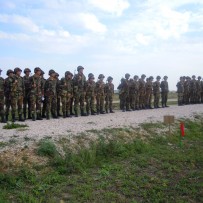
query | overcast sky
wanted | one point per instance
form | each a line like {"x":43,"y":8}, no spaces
{"x":113,"y":37}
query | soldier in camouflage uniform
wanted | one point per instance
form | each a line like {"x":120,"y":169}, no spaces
{"x":193,"y":90}
{"x":164,"y":92}
{"x":142,"y":91}
{"x":50,"y":94}
{"x":2,"y":112}
{"x":17,"y":91}
{"x":127,"y":77}
{"x":36,"y":94}
{"x":100,"y":96}
{"x":58,"y":90}
{"x":156,"y":91}
{"x":109,"y":92}
{"x":180,"y":91}
{"x":79,"y":81}
{"x":26,"y":99}
{"x":198,"y":88}
{"x":186,"y":94}
{"x":202,"y":91}
{"x":136,"y":94}
{"x":90,"y":87}
{"x":66,"y":93}
{"x":148,"y":94}
{"x":44,"y":104}
{"x":131,"y":85}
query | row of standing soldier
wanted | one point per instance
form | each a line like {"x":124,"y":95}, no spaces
{"x":28,"y":92}
{"x":136,"y":94}
{"x":190,"y":90}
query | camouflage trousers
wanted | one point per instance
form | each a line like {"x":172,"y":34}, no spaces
{"x":58,"y":103}
{"x":51,"y":104}
{"x":44,"y":106}
{"x":133,"y":100}
{"x":2,"y":102}
{"x":198,"y":97}
{"x":193,"y":97}
{"x":148,"y":98}
{"x":26,"y":103}
{"x":141,"y":99}
{"x":35,"y":103}
{"x":66,"y":99}
{"x":156,"y":99}
{"x":164,"y":98}
{"x":90,"y":102}
{"x":8,"y":104}
{"x":16,"y":101}
{"x":100,"y":102}
{"x":123,"y":101}
{"x":79,"y":99}
{"x":180,"y":98}
{"x":186,"y":97}
{"x":201,"y":97}
{"x":109,"y":102}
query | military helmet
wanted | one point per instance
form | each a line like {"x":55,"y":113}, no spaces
{"x":17,"y":69}
{"x":109,"y":78}
{"x":27,"y":70}
{"x":122,"y":79}
{"x":101,"y":76}
{"x":37,"y":69}
{"x":9,"y":71}
{"x":165,"y":76}
{"x":193,"y":76}
{"x":68,"y":73}
{"x":143,"y":76}
{"x":79,"y":67}
{"x":135,"y":76}
{"x":127,"y":75}
{"x":158,"y":77}
{"x":199,"y":77}
{"x":51,"y":71}
{"x":90,"y":75}
{"x":151,"y":78}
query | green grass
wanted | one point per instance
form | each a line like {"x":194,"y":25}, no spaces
{"x":9,"y":126}
{"x":156,"y":169}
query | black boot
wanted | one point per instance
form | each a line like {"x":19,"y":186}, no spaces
{"x":3,"y":119}
{"x":83,"y":113}
{"x":71,"y":113}
{"x":29,"y":115}
{"x":111,"y":111}
{"x":33,"y":117}
{"x":58,"y":114}
{"x":13,"y":118}
{"x":24,"y":114}
{"x":65,"y":114}
{"x":98,"y":112}
{"x":76,"y":113}
{"x":47,"y":116}
{"x":93,"y":113}
{"x":6,"y":117}
{"x":21,"y":118}
{"x":55,"y":116}
{"x":107,"y":111}
{"x":39,"y":116}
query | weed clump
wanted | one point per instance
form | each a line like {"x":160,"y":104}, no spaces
{"x":9,"y":126}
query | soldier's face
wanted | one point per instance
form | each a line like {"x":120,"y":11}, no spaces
{"x":81,"y":71}
{"x":27,"y":73}
{"x":18,"y":73}
{"x":110,"y":81}
{"x":38,"y":72}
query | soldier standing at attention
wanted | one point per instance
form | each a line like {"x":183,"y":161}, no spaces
{"x":202,"y":91}
{"x":58,"y":94}
{"x":109,"y":92}
{"x":142,"y":91}
{"x":123,"y":88}
{"x":16,"y":93}
{"x":198,"y":86}
{"x":156,"y":91}
{"x":149,"y":90}
{"x":136,"y":83}
{"x":132,"y":94}
{"x":90,"y":87}
{"x":2,"y":112}
{"x":26,"y":99}
{"x":44,"y":99}
{"x":193,"y":90}
{"x":164,"y":92}
{"x":127,"y":77}
{"x":180,"y":91}
{"x":100,"y":94}
{"x":36,"y":94}
{"x":79,"y":91}
{"x":50,"y":94}
{"x":66,"y":93}
{"x":186,"y":90}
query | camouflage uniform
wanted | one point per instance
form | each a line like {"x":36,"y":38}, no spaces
{"x":2,"y":113}
{"x":164,"y":92}
{"x":193,"y":90}
{"x":26,"y":99}
{"x":44,"y":103}
{"x":90,"y":87}
{"x":180,"y":91}
{"x":186,"y":94}
{"x":58,"y":90}
{"x":142,"y":92}
{"x":136,"y":94}
{"x":156,"y":91}
{"x":36,"y":93}
{"x":148,"y":94}
{"x":202,"y":91}
{"x":16,"y":94}
{"x":198,"y":88}
{"x":79,"y":81}
{"x":50,"y":94}
{"x":66,"y":93}
{"x":100,"y":95}
{"x":109,"y":92}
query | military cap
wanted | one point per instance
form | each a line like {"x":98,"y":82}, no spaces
{"x":51,"y":71}
{"x":136,"y":76}
{"x":90,"y":75}
{"x":143,"y":76}
{"x":79,"y":67}
{"x":68,"y":73}
{"x":9,"y":71}
{"x":101,"y":76}
{"x":199,"y":77}
{"x":27,"y":70}
{"x":17,"y":69}
{"x":127,"y":75}
{"x":109,"y":78}
{"x":193,"y":76}
{"x":37,"y":69}
{"x":158,"y":77}
{"x":165,"y":76}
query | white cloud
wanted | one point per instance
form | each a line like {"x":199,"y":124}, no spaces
{"x":142,"y":39}
{"x":111,"y":6}
{"x":91,"y":22}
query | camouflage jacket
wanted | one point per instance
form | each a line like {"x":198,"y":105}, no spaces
{"x":100,"y":87}
{"x":123,"y":87}
{"x":16,"y":85}
{"x":156,"y":87}
{"x":50,"y":87}
{"x":2,"y":83}
{"x":180,"y":87}
{"x":79,"y":83}
{"x":109,"y":89}
{"x":198,"y":85}
{"x":186,"y":86}
{"x":141,"y":85}
{"x":164,"y":86}
{"x":149,"y":87}
{"x":36,"y":85}
{"x":90,"y":88}
{"x":193,"y":86}
{"x":202,"y":86}
{"x":66,"y":86}
{"x":26,"y":81}
{"x":6,"y":87}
